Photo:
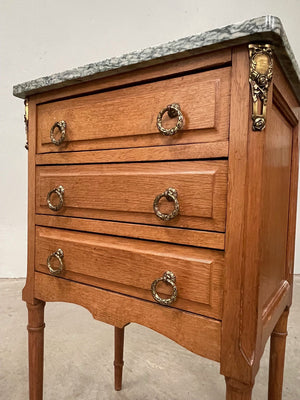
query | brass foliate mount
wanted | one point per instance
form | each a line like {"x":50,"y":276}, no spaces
{"x":260,"y":77}
{"x":26,"y":122}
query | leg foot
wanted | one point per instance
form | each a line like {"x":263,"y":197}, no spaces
{"x":277,"y":353}
{"x":237,"y":390}
{"x":36,"y":349}
{"x":118,"y":363}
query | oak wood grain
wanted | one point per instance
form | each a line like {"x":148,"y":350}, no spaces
{"x":118,"y":361}
{"x":35,"y":329}
{"x":256,"y":288}
{"x":130,"y":266}
{"x":114,"y":246}
{"x":277,"y":354}
{"x":157,"y":153}
{"x":198,"y":334}
{"x":293,"y":208}
{"x":236,"y":390}
{"x":284,"y":87}
{"x":281,"y":177}
{"x":190,"y":237}
{"x":28,"y":291}
{"x":127,"y":117}
{"x":126,"y":192}
{"x":275,"y":199}
{"x":233,"y":362}
{"x":273,"y":311}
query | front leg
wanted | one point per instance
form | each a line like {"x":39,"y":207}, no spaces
{"x":236,"y":390}
{"x":35,"y":328}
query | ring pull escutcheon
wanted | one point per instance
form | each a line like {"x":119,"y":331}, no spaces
{"x":171,"y":195}
{"x":58,"y":254}
{"x":59,"y":191}
{"x":173,"y":111}
{"x":61,"y":126}
{"x":169,"y":278}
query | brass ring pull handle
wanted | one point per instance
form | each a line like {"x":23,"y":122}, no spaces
{"x":61,"y":125}
{"x":170,"y":278}
{"x":58,"y":254}
{"x":171,"y":195}
{"x":60,"y":193}
{"x":173,"y":111}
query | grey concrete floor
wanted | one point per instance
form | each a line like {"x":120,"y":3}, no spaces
{"x":79,"y":356}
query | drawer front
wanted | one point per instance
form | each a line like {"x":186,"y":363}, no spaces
{"x":129,"y":266}
{"x":127,"y":117}
{"x":126,"y":192}
{"x":182,"y":327}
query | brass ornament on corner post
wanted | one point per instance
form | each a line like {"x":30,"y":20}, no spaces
{"x":260,"y":77}
{"x":26,"y":122}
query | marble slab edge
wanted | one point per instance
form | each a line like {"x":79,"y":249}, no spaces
{"x":268,"y":29}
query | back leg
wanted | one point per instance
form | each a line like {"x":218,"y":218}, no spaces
{"x":119,"y":362}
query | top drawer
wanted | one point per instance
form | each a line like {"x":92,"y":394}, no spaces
{"x":127,"y":117}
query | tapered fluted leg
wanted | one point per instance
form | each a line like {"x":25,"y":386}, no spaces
{"x":118,"y":363}
{"x":237,"y":390}
{"x":36,"y":349}
{"x":277,"y":353}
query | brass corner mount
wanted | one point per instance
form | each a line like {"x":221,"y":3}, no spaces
{"x":26,"y":122}
{"x":260,"y":77}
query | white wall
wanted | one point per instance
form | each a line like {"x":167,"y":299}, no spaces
{"x":43,"y":37}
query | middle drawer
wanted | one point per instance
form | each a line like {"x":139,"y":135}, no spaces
{"x":126,"y":192}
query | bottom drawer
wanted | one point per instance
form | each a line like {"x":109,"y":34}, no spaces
{"x":130,"y":266}
{"x":198,"y":334}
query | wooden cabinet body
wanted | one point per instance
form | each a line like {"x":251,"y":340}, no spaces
{"x":232,"y":245}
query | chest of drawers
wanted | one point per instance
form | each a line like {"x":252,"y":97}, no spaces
{"x":163,"y":193}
